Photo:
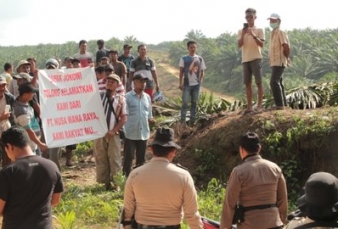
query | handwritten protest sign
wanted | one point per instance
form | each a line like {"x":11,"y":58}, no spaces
{"x":71,"y":108}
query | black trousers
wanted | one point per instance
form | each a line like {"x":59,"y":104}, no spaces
{"x":130,"y":147}
{"x":277,"y":86}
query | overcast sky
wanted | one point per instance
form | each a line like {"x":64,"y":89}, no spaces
{"x":30,"y":22}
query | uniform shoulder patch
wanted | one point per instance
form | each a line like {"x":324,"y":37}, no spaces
{"x":180,"y":166}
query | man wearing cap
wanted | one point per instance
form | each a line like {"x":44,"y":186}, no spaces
{"x":104,"y":61}
{"x":146,"y":66}
{"x":137,"y":129}
{"x":120,"y":68}
{"x":6,"y":116}
{"x":101,"y":52}
{"x":258,"y":186}
{"x":23,"y":67}
{"x":76,"y":63}
{"x":24,"y":116}
{"x":68,"y":62}
{"x":85,"y":58}
{"x":251,"y":40}
{"x":157,"y":192}
{"x":108,"y":148}
{"x":318,"y":204}
{"x":279,"y":52}
{"x":126,"y":58}
{"x":52,"y":64}
{"x":30,"y":186}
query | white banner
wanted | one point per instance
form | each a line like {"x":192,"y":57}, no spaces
{"x":71,"y":107}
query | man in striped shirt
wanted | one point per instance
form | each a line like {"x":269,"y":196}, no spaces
{"x":108,"y":148}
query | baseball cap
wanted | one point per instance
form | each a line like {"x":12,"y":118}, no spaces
{"x":321,"y":195}
{"x":104,"y":58}
{"x":164,"y":136}
{"x":114,"y":77}
{"x":68,"y":58}
{"x":3,"y":80}
{"x":127,"y":46}
{"x":23,"y":75}
{"x":52,"y":63}
{"x":140,"y":76}
{"x":21,"y":62}
{"x":274,"y":16}
{"x":99,"y":68}
{"x":75,"y":60}
{"x":108,"y":67}
{"x":27,"y":88}
{"x":158,"y":96}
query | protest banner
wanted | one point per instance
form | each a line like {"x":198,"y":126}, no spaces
{"x":71,"y":108}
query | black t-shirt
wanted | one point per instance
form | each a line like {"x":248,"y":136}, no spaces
{"x":101,"y":53}
{"x":126,"y":60}
{"x":27,"y":186}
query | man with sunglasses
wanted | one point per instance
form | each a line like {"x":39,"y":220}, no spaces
{"x":251,"y":40}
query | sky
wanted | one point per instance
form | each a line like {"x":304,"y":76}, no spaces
{"x":32,"y":22}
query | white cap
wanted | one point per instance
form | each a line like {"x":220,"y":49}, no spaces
{"x":274,"y":16}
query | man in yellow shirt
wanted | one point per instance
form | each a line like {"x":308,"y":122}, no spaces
{"x":251,"y":40}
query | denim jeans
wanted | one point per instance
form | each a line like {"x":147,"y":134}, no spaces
{"x":191,"y":92}
{"x":277,"y":86}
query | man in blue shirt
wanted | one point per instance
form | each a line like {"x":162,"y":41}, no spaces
{"x":137,"y":129}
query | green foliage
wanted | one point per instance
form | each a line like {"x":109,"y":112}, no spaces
{"x":83,"y":148}
{"x":291,"y":170}
{"x":210,"y":201}
{"x":67,"y":220}
{"x":285,"y":144}
{"x":207,"y":160}
{"x":207,"y":105}
{"x":81,"y":207}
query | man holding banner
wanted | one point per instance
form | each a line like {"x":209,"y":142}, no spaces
{"x":108,"y":148}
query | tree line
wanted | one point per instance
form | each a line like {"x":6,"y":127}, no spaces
{"x":314,"y":56}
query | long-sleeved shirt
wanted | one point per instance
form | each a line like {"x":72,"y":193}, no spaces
{"x":158,"y":191}
{"x":256,"y":182}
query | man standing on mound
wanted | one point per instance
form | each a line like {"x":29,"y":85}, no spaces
{"x":251,"y":40}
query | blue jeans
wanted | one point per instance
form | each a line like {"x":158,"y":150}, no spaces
{"x":191,"y":92}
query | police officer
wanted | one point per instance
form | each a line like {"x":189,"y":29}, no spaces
{"x":156,"y":192}
{"x":318,"y":206}
{"x":259,"y":186}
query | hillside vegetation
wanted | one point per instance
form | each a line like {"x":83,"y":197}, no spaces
{"x":301,"y":140}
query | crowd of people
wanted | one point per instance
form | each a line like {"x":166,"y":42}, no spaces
{"x":156,"y":192}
